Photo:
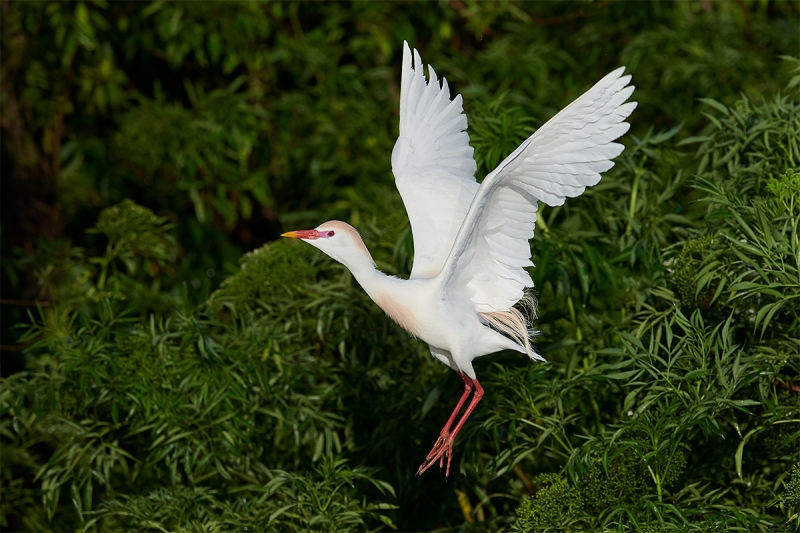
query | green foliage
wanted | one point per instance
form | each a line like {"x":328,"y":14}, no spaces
{"x":748,"y":143}
{"x":496,"y":131}
{"x":606,"y":484}
{"x":267,"y":275}
{"x":686,"y":265}
{"x":190,"y":401}
{"x":791,"y":496}
{"x":162,"y":385}
{"x":287,"y":502}
{"x":786,"y":188}
{"x":205,"y":147}
{"x":137,"y":240}
{"x":684,"y":418}
{"x":553,"y":504}
{"x":134,"y":233}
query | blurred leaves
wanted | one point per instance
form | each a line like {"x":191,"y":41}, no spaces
{"x":135,"y":231}
{"x":164,"y":386}
{"x":206,"y":147}
{"x":268,"y":274}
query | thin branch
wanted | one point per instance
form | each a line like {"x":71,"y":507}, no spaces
{"x":786,"y":385}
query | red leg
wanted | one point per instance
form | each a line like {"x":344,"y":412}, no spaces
{"x":470,"y":408}
{"x":446,"y":429}
{"x":444,"y":445}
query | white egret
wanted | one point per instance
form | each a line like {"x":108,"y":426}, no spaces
{"x":471,"y":240}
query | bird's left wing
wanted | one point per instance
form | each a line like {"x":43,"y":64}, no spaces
{"x":559,"y":161}
{"x":432,"y":164}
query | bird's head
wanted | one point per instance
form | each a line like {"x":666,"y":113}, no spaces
{"x":339,"y":240}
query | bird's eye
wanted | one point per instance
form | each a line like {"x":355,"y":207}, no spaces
{"x":331,"y":233}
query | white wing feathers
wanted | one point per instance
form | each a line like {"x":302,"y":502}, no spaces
{"x":559,"y":161}
{"x":432,"y":164}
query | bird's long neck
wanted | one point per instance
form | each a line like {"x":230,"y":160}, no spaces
{"x":386,"y":291}
{"x":364,"y":270}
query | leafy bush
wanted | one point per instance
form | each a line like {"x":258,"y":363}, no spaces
{"x":162,"y":385}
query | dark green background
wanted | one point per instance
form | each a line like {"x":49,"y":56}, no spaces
{"x":155,"y":378}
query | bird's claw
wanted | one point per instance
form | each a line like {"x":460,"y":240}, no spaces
{"x":441,"y":449}
{"x":439,"y":442}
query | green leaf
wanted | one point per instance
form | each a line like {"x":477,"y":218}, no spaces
{"x":623,"y":375}
{"x":740,"y":450}
{"x":716,"y":105}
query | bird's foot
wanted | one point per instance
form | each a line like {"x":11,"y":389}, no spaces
{"x":441,"y":449}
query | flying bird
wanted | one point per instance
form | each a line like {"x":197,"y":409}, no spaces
{"x":471,"y":240}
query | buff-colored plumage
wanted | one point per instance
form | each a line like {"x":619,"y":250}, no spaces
{"x":470,"y":240}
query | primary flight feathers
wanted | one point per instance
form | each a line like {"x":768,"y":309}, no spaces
{"x":477,"y":235}
{"x":432,"y":164}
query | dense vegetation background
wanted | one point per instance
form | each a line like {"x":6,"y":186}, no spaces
{"x":168,"y":367}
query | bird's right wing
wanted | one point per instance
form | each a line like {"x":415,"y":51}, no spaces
{"x":559,"y":161}
{"x":432,"y":164}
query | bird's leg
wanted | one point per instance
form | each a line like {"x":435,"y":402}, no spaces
{"x":471,"y":407}
{"x":444,"y":446}
{"x":446,"y":429}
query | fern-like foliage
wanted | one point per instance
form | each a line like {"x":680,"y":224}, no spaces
{"x":169,"y":365}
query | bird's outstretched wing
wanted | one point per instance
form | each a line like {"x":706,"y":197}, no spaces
{"x":559,"y":161}
{"x":432,"y":164}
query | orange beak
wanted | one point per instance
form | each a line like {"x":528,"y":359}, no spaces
{"x":308,"y":234}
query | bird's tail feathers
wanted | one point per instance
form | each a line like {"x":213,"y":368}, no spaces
{"x":516,"y":323}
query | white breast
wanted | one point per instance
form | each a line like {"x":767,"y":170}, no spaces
{"x":398,"y":311}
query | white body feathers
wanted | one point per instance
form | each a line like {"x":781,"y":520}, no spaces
{"x":470,"y":240}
